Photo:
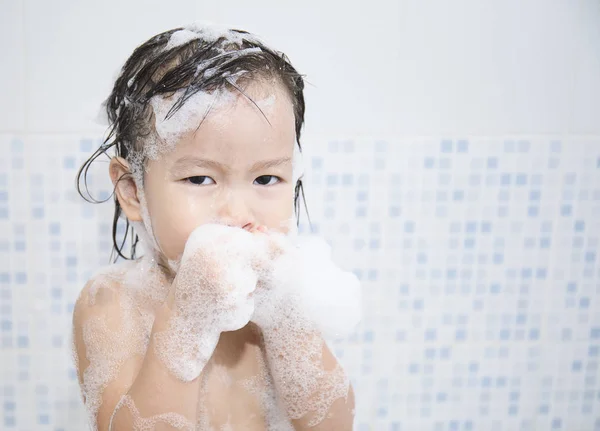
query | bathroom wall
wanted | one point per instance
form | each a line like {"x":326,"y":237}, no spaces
{"x":453,"y":162}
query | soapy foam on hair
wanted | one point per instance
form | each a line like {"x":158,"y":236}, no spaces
{"x":211,"y":32}
{"x":171,"y":129}
{"x":170,"y":126}
{"x":229,"y":56}
{"x":181,"y":37}
{"x":208,"y":32}
{"x":267,"y":103}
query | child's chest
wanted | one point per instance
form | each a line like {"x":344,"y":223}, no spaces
{"x":237,"y":392}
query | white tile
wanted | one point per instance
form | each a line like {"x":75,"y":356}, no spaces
{"x":12,"y":84}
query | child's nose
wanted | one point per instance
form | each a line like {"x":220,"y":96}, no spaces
{"x":235,"y":212}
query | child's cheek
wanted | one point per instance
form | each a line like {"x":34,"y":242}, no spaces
{"x":180,"y":220}
{"x":277,"y":216}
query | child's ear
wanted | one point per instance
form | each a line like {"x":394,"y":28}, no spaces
{"x":125,"y":188}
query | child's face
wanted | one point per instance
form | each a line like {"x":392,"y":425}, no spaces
{"x":236,"y":170}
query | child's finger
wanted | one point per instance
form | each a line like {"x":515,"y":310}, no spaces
{"x":276,"y":243}
{"x":257,"y":228}
{"x":262,"y":259}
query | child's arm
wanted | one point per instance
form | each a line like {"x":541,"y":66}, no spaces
{"x":310,"y":382}
{"x":329,"y":404}
{"x":144,"y":379}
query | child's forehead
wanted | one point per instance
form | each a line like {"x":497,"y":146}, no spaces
{"x":249,"y":130}
{"x":231,"y":149}
{"x":256,"y":119}
{"x":233,"y":144}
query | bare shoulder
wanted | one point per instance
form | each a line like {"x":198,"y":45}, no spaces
{"x":100,"y":303}
{"x":110,"y":316}
{"x":124,"y":294}
{"x":101,"y":295}
{"x":112,"y":321}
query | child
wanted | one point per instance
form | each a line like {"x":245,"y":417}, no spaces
{"x":215,"y":327}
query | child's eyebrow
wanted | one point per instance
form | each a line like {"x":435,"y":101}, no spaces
{"x":273,"y":163}
{"x":195,"y":162}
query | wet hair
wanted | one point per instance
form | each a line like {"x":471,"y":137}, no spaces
{"x":208,"y":62}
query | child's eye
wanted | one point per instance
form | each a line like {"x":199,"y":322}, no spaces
{"x":200,"y":180}
{"x":267,"y":180}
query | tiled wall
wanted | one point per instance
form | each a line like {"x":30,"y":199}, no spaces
{"x":479,"y":260}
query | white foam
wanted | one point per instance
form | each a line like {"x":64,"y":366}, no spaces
{"x":294,"y":348}
{"x":129,"y":291}
{"x":186,"y":118}
{"x":211,"y":295}
{"x":302,"y":295}
{"x":208,"y":32}
{"x":226,"y":277}
{"x":329,"y":296}
{"x":175,"y":420}
{"x":267,"y":103}
{"x":181,"y":37}
{"x":211,"y":32}
{"x":209,"y":72}
{"x":263,"y":388}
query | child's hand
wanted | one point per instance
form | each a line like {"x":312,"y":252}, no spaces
{"x":211,"y":293}
{"x":300,"y":277}
{"x":275,"y":243}
{"x":271,"y":298}
{"x":217,"y":277}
